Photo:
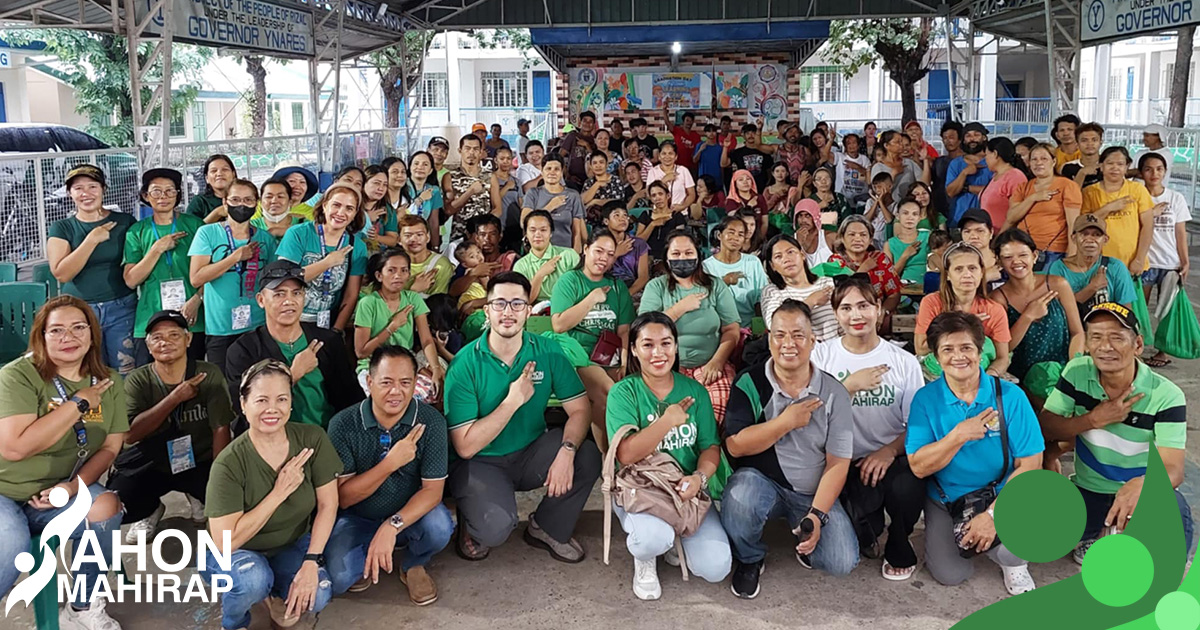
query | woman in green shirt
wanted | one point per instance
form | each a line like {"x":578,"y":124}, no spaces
{"x":219,"y":174}
{"x":389,"y":314}
{"x":262,"y":493}
{"x":704,"y":313}
{"x":931,"y":219}
{"x":909,"y":247}
{"x":382,"y":230}
{"x":545,"y":263}
{"x":672,"y":414}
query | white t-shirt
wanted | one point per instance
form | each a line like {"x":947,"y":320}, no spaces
{"x":1163,"y":253}
{"x":880,"y":414}
{"x":850,"y":182}
{"x":683,"y":181}
{"x":527,"y":172}
{"x":823,"y":253}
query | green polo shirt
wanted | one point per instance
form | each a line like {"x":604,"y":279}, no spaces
{"x":356,"y":434}
{"x":478,"y":381}
{"x":102,"y":278}
{"x":529,"y":264}
{"x":373,"y":313}
{"x":309,"y":401}
{"x":174,"y":265}
{"x":1106,"y":458}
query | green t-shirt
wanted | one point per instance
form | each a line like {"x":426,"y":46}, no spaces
{"x":173,"y":267}
{"x":373,"y":313}
{"x":1106,"y":458}
{"x":529,"y":264}
{"x":102,"y":278}
{"x":308,"y":394}
{"x":260,"y":223}
{"x":699,"y":330}
{"x":302,"y":245}
{"x":630,"y":401}
{"x":208,"y":411}
{"x":616,"y":310}
{"x":441,"y":280}
{"x":240,"y":479}
{"x":923,"y":224}
{"x":227,"y":295}
{"x":201,"y":205}
{"x":914,"y":269}
{"x":26,"y":393}
{"x":477,"y":382}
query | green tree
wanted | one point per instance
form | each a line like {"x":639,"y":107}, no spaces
{"x":396,"y":62}
{"x":517,"y":38}
{"x":96,"y":66}
{"x":900,"y":45}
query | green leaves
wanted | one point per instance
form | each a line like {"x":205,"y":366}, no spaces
{"x":900,"y":45}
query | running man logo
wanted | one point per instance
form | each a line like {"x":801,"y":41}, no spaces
{"x":61,"y":527}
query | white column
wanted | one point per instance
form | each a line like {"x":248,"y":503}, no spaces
{"x":453,"y":89}
{"x":987,"y":81}
{"x":1100,"y":81}
{"x":875,"y":92}
{"x":1148,"y":66}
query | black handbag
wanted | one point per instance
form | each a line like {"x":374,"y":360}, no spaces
{"x":966,"y":507}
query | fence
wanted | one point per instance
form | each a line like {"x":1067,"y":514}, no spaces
{"x":1137,"y":111}
{"x":542,"y":125}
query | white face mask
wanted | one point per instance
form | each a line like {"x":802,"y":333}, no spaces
{"x":274,"y":218}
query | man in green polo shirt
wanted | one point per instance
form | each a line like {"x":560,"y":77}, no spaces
{"x":497,"y":389}
{"x":1114,"y":408}
{"x":394,"y":452}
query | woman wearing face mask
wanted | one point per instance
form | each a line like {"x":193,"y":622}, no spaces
{"x":679,"y":180}
{"x":705,"y":314}
{"x":545,"y":263}
{"x":790,"y":279}
{"x":382,"y":230}
{"x":632,"y":264}
{"x":219,"y":173}
{"x":85,"y":251}
{"x":390,"y":315}
{"x":741,"y":272}
{"x":333,"y":259}
{"x":856,"y":251}
{"x":963,"y":290}
{"x":303,"y":185}
{"x":744,"y":194}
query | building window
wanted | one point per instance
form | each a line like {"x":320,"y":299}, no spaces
{"x":1114,"y":87}
{"x":505,"y":89}
{"x":819,"y":84}
{"x":199,"y":122}
{"x":435,"y":90}
{"x":297,"y":116}
{"x":178,"y":126}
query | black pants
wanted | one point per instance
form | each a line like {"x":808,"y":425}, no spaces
{"x":216,"y":347}
{"x":485,"y":487}
{"x":196,"y":350}
{"x":141,"y":488}
{"x":902,"y":495}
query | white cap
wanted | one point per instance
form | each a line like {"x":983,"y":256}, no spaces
{"x":1156,"y":129}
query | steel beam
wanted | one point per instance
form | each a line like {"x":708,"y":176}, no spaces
{"x":150,"y":140}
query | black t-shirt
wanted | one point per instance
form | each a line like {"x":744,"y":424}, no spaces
{"x":1071,"y":170}
{"x":940,"y":201}
{"x":757,"y":162}
{"x":658,"y":238}
{"x":649,"y":145}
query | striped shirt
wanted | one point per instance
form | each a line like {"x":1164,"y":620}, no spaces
{"x":1106,"y":458}
{"x":824,"y":322}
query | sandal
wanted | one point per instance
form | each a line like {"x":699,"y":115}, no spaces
{"x":897,"y":574}
{"x":1157,"y":361}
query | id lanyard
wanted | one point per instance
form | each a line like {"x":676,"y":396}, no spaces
{"x":327,"y":275}
{"x":81,"y":439}
{"x":247,"y":270}
{"x":154,"y":226}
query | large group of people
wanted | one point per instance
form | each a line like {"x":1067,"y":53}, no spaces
{"x":330,"y":374}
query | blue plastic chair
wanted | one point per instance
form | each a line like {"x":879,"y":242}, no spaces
{"x":19,"y":303}
{"x":8,"y":272}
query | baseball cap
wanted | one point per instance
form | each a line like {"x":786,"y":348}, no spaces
{"x":1124,"y":316}
{"x":439,"y":140}
{"x":974,"y":126}
{"x":162,"y":173}
{"x":912,"y":123}
{"x":1084,"y":221}
{"x":89,"y":171}
{"x":175,"y":317}
{"x":1155,"y":129}
{"x":976,"y":215}
{"x":278,"y":272}
{"x":478,"y":127}
{"x":523,"y":121}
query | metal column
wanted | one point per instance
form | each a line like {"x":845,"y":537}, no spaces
{"x":151,"y":140}
{"x":327,"y":29}
{"x":1062,"y":54}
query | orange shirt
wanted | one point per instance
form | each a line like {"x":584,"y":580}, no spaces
{"x":1046,"y":221}
{"x":995,"y":321}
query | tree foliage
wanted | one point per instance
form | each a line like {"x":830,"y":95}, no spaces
{"x":96,"y":66}
{"x":515,"y":38}
{"x":900,"y":45}
{"x":396,"y":62}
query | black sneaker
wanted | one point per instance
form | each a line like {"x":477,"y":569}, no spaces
{"x":745,"y":579}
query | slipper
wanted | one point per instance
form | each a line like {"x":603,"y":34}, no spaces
{"x":900,"y":574}
{"x":1156,"y":362}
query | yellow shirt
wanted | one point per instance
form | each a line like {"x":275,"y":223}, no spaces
{"x":1124,"y":225}
{"x":1060,"y":158}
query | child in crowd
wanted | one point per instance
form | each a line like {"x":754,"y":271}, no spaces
{"x":879,"y":207}
{"x":939,"y":240}
{"x":470,"y":256}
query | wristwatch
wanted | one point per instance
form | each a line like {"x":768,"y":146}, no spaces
{"x":81,"y":403}
{"x":703,"y":480}
{"x":397,"y":521}
{"x":991,"y":511}
{"x":821,"y":516}
{"x":569,"y":446}
{"x":319,"y":558}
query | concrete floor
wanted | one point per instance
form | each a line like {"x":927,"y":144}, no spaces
{"x":520,"y":587}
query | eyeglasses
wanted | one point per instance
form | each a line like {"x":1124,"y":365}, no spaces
{"x":161,"y":193}
{"x":517,"y":306}
{"x":78,"y":331}
{"x":266,"y":365}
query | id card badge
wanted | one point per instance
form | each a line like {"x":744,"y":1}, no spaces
{"x":241,"y":317}
{"x":179,"y":451}
{"x":172,"y":295}
{"x":323,"y":319}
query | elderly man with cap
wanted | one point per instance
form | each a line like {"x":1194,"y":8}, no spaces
{"x":968,"y":175}
{"x":179,"y":416}
{"x":302,"y":184}
{"x":157,"y":264}
{"x":1152,"y":139}
{"x":1094,"y":278}
{"x":85,"y":251}
{"x":323,"y":380}
{"x":1115,"y":409}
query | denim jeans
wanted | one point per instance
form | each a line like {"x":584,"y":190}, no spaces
{"x":255,"y":576}
{"x":19,"y":522}
{"x":751,"y":499}
{"x":351,"y":537}
{"x":707,"y":550}
{"x":116,"y":325}
{"x":1098,"y":505}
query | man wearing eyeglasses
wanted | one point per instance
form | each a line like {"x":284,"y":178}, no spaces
{"x":394,"y":453}
{"x":179,"y":416}
{"x":497,"y":390}
{"x":323,"y":380}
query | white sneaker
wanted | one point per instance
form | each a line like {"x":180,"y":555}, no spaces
{"x":671,"y":557}
{"x":148,"y":525}
{"x":197,"y":509}
{"x":645,"y":579}
{"x":1017,"y":580}
{"x":94,"y":618}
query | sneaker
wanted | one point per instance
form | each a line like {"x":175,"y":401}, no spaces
{"x":570,"y":552}
{"x":94,"y":618}
{"x":645,"y":579}
{"x":671,"y":557}
{"x":1017,"y":580}
{"x":745,"y":579}
{"x":197,"y":509}
{"x":804,"y":560}
{"x":360,"y":586}
{"x":1081,"y":550}
{"x":421,"y":589}
{"x":148,"y":525}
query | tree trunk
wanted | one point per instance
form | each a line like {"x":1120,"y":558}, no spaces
{"x":1179,"y":78}
{"x":908,"y":100}
{"x":393,"y":95}
{"x":258,"y":100}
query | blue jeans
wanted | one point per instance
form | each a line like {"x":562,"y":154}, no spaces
{"x":751,"y":499}
{"x":116,"y":325}
{"x":1098,"y":505}
{"x":255,"y":576}
{"x":346,"y":552}
{"x":707,"y":550}
{"x":19,"y":522}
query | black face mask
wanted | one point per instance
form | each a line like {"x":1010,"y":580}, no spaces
{"x":240,"y":214}
{"x":684,"y":267}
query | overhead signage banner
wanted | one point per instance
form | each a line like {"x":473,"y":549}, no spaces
{"x":247,"y":24}
{"x":1109,"y":20}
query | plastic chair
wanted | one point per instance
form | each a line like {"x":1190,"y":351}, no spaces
{"x":41,"y":273}
{"x":19,"y":303}
{"x":538,"y":324}
{"x":8,"y":272}
{"x":45,"y":604}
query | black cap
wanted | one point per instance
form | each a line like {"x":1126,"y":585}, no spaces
{"x":976,"y":215}
{"x":89,"y":171}
{"x":162,"y":173}
{"x":974,"y":126}
{"x":523,"y":121}
{"x":175,"y":317}
{"x":278,"y":272}
{"x":1124,"y":316}
{"x":439,"y":140}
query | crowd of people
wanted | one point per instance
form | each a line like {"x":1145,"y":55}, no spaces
{"x":330,"y":374}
